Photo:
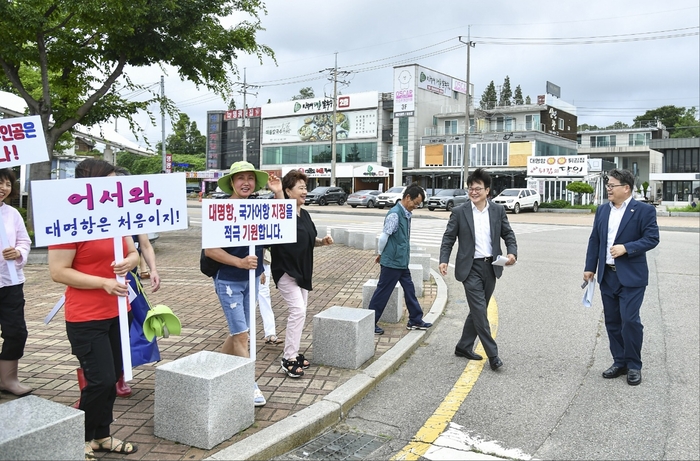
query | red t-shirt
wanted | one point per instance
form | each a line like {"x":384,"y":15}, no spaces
{"x":94,"y":258}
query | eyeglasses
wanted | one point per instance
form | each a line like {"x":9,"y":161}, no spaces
{"x":611,"y":186}
{"x":475,"y":189}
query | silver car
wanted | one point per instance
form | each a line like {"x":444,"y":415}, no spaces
{"x":365,"y":197}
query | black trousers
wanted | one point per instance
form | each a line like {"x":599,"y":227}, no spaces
{"x":97,"y":346}
{"x":14,"y":328}
{"x":479,"y":287}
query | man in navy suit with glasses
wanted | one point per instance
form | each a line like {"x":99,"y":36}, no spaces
{"x":623,"y":231}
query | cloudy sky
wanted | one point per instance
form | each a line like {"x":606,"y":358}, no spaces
{"x":614,"y":60}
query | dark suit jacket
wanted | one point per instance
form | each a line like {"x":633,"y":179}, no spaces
{"x":461,"y":225}
{"x":638,"y":232}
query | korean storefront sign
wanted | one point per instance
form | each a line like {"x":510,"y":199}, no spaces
{"x":561,"y":166}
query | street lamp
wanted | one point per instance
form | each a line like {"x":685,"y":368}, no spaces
{"x":465,"y":153}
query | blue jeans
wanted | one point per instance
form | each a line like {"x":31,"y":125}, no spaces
{"x":234,"y":296}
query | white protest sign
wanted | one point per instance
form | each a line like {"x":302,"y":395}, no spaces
{"x":235,"y":223}
{"x":22,"y":141}
{"x":82,"y":209}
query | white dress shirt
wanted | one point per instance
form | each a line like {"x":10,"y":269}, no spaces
{"x":482,"y":232}
{"x":614,"y":220}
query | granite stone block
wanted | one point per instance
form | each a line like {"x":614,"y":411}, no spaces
{"x":417,"y":278}
{"x":340,"y":235}
{"x":343,"y":337}
{"x":393,"y":312}
{"x":203,"y":399}
{"x":362,"y":240}
{"x":424,"y":260}
{"x":36,"y":428}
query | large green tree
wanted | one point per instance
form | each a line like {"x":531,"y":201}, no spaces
{"x":82,"y":48}
{"x":518,"y":96}
{"x":186,"y":138}
{"x":668,"y":115}
{"x":504,"y":99}
{"x":489,"y":97}
{"x":687,"y":126}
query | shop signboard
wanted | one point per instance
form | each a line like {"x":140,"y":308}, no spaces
{"x":558,"y":166}
{"x":358,"y":124}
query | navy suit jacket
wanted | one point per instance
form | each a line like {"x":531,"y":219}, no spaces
{"x":638,"y":232}
{"x":461,"y":225}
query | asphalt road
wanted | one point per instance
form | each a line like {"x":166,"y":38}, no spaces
{"x":549,"y":400}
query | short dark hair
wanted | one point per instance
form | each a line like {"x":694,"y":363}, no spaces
{"x":121,"y":171}
{"x":413,"y":191}
{"x":480,"y":175}
{"x":624,"y":176}
{"x":291,"y":179}
{"x":7,"y":174}
{"x":93,"y":168}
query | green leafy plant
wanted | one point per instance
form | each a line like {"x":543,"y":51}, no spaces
{"x":555,"y":204}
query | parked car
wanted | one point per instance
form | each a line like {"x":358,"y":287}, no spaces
{"x":218,"y":193}
{"x":263,"y":194}
{"x":192,"y":188}
{"x":447,"y":199}
{"x":519,"y":199}
{"x":391,"y":197}
{"x":365,"y":197}
{"x":324,"y":195}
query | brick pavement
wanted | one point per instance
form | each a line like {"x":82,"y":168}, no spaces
{"x":339,"y":274}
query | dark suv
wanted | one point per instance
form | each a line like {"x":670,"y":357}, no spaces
{"x":447,"y":199}
{"x":325,"y":195}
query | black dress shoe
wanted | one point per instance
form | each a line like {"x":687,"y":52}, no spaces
{"x":495,"y":363}
{"x":634,"y":377}
{"x":467,"y":354}
{"x":614,"y":372}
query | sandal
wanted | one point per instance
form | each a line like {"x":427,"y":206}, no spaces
{"x":122,"y":447}
{"x":89,"y":452}
{"x":145,"y":275}
{"x":292,"y":368}
{"x":272,"y":339}
{"x":302,"y":360}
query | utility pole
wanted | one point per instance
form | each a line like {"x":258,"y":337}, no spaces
{"x":465,"y":153}
{"x":334,"y":137}
{"x":245,"y":115}
{"x":335,"y":109}
{"x":162,"y":120}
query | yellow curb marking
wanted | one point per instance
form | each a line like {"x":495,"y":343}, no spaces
{"x":436,"y":424}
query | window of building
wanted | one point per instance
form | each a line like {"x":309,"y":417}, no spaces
{"x":604,"y":141}
{"x":532,"y":122}
{"x":354,"y":152}
{"x":639,"y":139}
{"x":490,"y":154}
{"x":499,"y":123}
{"x":450,"y":126}
{"x":453,"y":154}
{"x":561,"y":123}
{"x":509,"y":124}
{"x":403,"y":138}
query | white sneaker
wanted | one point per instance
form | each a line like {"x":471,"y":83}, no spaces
{"x":258,"y":397}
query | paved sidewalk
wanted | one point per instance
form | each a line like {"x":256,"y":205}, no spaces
{"x":340,"y":272}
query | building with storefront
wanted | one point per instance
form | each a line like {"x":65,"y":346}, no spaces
{"x":298,"y":135}
{"x":630,"y":149}
{"x":679,"y":179}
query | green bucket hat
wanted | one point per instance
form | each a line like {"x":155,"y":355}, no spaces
{"x":160,"y":321}
{"x":261,"y":177}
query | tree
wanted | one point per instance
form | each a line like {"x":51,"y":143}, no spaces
{"x":186,"y":138}
{"x":506,"y":95}
{"x":489,"y":97}
{"x":688,"y":126}
{"x":587,"y":127}
{"x":617,"y":126}
{"x":518,"y":97}
{"x":528,"y":100}
{"x":668,"y":115}
{"x":578,"y":188}
{"x":305,"y":93}
{"x":80,"y":49}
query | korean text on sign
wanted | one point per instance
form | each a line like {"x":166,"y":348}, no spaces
{"x":74,"y":210}
{"x":22,"y":141}
{"x":227,"y":223}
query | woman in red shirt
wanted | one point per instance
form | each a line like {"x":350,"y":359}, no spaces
{"x":92,"y":320}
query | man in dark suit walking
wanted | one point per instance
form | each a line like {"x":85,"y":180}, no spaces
{"x":623,"y":232}
{"x":479,"y":226}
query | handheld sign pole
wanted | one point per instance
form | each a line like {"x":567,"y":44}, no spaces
{"x":123,"y":314}
{"x":252,"y":298}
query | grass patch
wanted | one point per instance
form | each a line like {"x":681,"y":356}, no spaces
{"x":685,"y":209}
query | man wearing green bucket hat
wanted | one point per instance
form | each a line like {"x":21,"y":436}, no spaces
{"x":231,"y":282}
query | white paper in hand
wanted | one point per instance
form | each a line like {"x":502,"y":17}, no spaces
{"x":588,"y":293}
{"x":500,"y":261}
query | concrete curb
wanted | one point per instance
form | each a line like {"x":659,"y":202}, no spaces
{"x":299,"y":428}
